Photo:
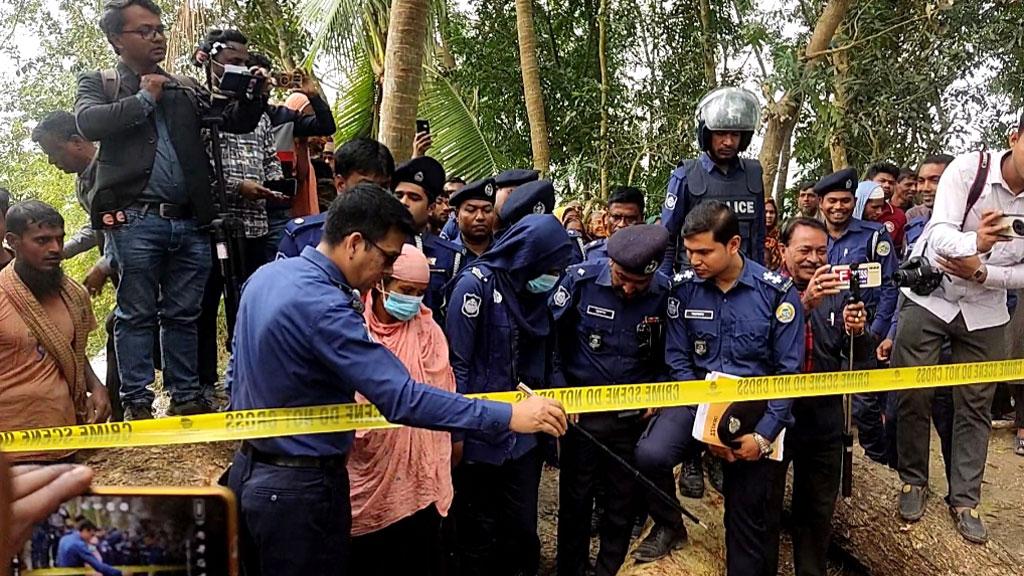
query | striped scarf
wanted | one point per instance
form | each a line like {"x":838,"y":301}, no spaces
{"x":70,"y":355}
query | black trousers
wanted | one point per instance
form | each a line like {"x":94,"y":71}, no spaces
{"x":292,"y":521}
{"x":754,"y":493}
{"x":496,"y":516}
{"x":410,"y":546}
{"x":817,"y":475}
{"x":584,"y":470}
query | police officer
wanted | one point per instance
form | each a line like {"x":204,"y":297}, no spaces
{"x":625,"y":208}
{"x":508,"y":181}
{"x":301,"y":341}
{"x":473,"y":206}
{"x":726,"y":121}
{"x":814,"y":442}
{"x":537,"y":197}
{"x":450,"y":231}
{"x":610,"y":318}
{"x":854,"y":241}
{"x":500,"y":332}
{"x":732,"y":315}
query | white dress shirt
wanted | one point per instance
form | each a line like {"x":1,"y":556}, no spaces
{"x":982,"y":305}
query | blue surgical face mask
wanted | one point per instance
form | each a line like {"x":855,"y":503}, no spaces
{"x":543,"y":283}
{"x":402,"y":306}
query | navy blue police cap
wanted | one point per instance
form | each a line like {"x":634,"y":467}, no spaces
{"x":516,"y":177}
{"x":640,"y":248}
{"x":423,"y":171}
{"x":531,"y":198}
{"x":479,"y":190}
{"x":844,"y":180}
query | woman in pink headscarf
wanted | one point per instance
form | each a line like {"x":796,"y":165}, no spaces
{"x":401,"y":482}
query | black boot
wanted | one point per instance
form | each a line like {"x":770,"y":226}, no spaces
{"x":691,"y":478}
{"x":659,"y":543}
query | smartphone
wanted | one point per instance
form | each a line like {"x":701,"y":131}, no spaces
{"x":870,"y":275}
{"x":167,"y":531}
{"x":285,"y":186}
{"x":422,"y":126}
{"x":1013,"y":225}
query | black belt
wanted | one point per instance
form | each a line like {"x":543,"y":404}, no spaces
{"x":293,"y":461}
{"x":168,"y":211}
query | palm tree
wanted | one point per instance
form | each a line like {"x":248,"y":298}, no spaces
{"x":403,"y":75}
{"x":531,"y":85}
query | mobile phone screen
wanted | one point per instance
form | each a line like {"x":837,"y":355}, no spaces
{"x":165,"y":534}
{"x":422,"y":126}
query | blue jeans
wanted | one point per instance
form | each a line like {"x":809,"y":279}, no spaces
{"x":164,"y":265}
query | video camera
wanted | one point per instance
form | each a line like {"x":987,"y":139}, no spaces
{"x":919,"y":275}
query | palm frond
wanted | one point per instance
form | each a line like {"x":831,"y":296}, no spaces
{"x":353,"y":110}
{"x":458,"y":142}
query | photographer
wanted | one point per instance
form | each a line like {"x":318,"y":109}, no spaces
{"x":966,"y":239}
{"x":152,"y":196}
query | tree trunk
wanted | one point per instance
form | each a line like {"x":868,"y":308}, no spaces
{"x":780,"y":185}
{"x":783,"y":114}
{"x":531,"y":86}
{"x":837,"y":140}
{"x":602,"y":25}
{"x":708,"y":45}
{"x":868,"y":528}
{"x":403,"y":75}
{"x":283,"y":49}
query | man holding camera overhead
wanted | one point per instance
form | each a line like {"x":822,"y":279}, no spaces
{"x":152,"y":197}
{"x":982,"y":256}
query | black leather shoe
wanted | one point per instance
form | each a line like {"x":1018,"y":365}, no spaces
{"x":659,"y":543}
{"x":691,"y":479}
{"x":969,"y":525}
{"x":912,"y":499}
{"x":190,"y":408}
{"x":136,"y":412}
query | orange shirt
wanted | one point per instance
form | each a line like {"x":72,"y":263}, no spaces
{"x":33,"y":391}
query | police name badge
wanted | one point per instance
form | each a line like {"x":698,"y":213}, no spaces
{"x":734,"y":425}
{"x":561,"y":297}
{"x":699,"y":314}
{"x":601,"y":312}
{"x":883,"y":248}
{"x":670,"y":201}
{"x":700,"y":347}
{"x":673,"y":308}
{"x":470,"y":305}
{"x":594,"y":341}
{"x":785,"y":313}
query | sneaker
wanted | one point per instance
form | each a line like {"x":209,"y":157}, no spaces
{"x":691,"y":479}
{"x":912,"y":499}
{"x":136,"y":412}
{"x":189,"y":408}
{"x":969,"y":525}
{"x":659,"y":543}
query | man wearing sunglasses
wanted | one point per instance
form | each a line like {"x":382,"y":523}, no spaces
{"x":152,"y":197}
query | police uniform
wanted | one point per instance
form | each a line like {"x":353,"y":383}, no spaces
{"x":302,"y":341}
{"x":605,"y":339}
{"x":597,"y":250}
{"x":499,"y":335}
{"x":299,"y":233}
{"x":754,"y":329}
{"x":451,"y":228}
{"x":742,"y":190}
{"x":515,"y":177}
{"x":862,"y":242}
{"x":579,"y":247}
{"x":536,"y":197}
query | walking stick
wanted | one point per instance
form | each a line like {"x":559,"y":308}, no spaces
{"x":852,"y":298}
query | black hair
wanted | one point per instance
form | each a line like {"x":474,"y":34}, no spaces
{"x":882,"y":168}
{"x":793,"y":223}
{"x":906,"y":173}
{"x":941,"y":159}
{"x":1020,"y":125}
{"x":112,"y":21}
{"x":455,"y":180}
{"x":261,"y":60}
{"x":29,"y":212}
{"x":223,"y":36}
{"x":85,"y":524}
{"x":5,"y":201}
{"x":364,"y":155}
{"x":369,"y":210}
{"x":57,"y":123}
{"x":805,"y":185}
{"x":712,"y":216}
{"x":627,"y":195}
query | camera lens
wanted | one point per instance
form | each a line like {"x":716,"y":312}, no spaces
{"x":1018,"y":226}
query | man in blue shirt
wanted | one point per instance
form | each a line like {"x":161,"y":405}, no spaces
{"x":610,"y":318}
{"x":300,"y":340}
{"x":731,"y":315}
{"x":473,"y":206}
{"x":625,"y":208}
{"x":73,"y":550}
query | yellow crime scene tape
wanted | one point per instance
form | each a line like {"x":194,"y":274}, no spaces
{"x":274,"y":422}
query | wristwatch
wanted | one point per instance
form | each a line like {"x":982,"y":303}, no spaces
{"x":763,"y":444}
{"x":979,"y":274}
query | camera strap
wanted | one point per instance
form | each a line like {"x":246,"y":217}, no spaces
{"x":984,"y":161}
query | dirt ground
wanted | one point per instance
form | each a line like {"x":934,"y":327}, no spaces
{"x":202,"y":464}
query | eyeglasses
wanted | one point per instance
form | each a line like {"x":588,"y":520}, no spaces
{"x":148,"y":33}
{"x":389,"y":257}
{"x":628,"y":220}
